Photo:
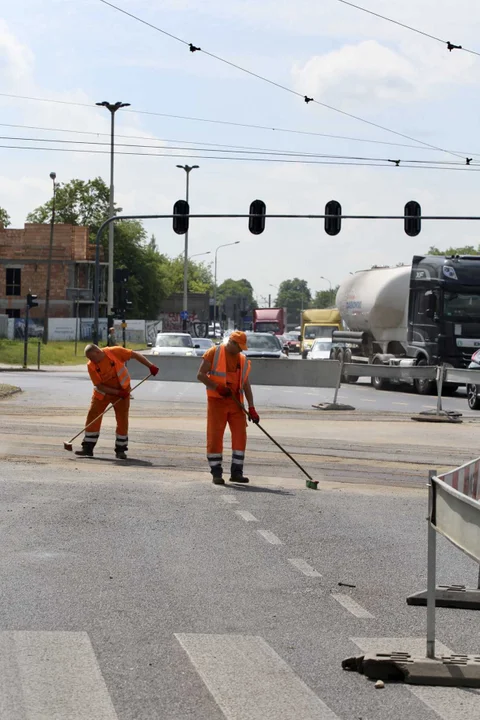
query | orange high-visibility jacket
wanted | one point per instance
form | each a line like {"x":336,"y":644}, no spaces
{"x":120,"y":370}
{"x":218,"y":371}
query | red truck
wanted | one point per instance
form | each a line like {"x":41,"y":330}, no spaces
{"x":269,"y":320}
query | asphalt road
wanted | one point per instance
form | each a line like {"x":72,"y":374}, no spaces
{"x":139,"y":591}
{"x":68,"y":387}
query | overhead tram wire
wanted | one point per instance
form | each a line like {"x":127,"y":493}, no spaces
{"x":193,"y":48}
{"x":233,"y":124}
{"x":290,"y":154}
{"x":450,"y":46}
{"x":385,"y":164}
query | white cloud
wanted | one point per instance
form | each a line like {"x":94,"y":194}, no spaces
{"x":16,"y":59}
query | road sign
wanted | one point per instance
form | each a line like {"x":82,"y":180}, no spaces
{"x":184,"y":315}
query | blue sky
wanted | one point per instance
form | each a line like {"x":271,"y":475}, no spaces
{"x":83,"y":51}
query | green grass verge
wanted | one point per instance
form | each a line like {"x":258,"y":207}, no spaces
{"x":55,"y":353}
{"x":7,"y":390}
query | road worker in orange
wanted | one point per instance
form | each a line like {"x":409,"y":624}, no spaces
{"x":224,"y":371}
{"x":111,"y":383}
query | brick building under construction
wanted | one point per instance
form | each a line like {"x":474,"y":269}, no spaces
{"x":23,"y":268}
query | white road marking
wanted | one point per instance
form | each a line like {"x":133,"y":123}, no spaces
{"x":288,"y":391}
{"x":229,"y":499}
{"x":270,"y":537}
{"x":51,"y":676}
{"x":397,"y":403}
{"x":352,"y":606}
{"x":366,"y":400}
{"x":249,"y":681}
{"x":304,"y":567}
{"x":247,"y":516}
{"x":429,"y":407}
{"x":449,"y":703}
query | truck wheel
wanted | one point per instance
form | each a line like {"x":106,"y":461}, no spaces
{"x":348,"y":359}
{"x":473,"y":397}
{"x":449,"y":389}
{"x":424,"y":387}
{"x":379,"y":383}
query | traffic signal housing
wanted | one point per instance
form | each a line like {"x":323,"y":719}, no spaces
{"x":413,"y":224}
{"x":180,"y":223}
{"x":256,"y":221}
{"x":32,"y":300}
{"x":333,"y":217}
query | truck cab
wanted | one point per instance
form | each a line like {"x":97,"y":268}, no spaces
{"x":318,"y":324}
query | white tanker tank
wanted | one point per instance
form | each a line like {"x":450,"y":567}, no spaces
{"x":376,"y":302}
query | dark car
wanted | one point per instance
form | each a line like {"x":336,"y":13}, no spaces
{"x":263,"y":345}
{"x":202,"y":345}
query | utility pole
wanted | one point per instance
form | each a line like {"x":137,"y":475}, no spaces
{"x":215,"y":285}
{"x":112,"y":108}
{"x":49,"y":265}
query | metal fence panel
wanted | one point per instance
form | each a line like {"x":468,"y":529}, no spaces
{"x":457,"y":517}
{"x":392,"y":372}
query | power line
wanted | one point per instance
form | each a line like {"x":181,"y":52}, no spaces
{"x":91,"y":106}
{"x":307,"y":99}
{"x":245,"y":152}
{"x":384,"y":164}
{"x":450,"y":46}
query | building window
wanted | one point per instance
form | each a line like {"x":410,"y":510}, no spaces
{"x":13,"y":281}
{"x":13,"y":312}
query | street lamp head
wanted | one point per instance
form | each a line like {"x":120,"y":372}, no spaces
{"x":102,"y":104}
{"x":195,"y":167}
{"x":53,"y":175}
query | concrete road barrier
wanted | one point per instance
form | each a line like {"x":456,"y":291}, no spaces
{"x":290,"y":373}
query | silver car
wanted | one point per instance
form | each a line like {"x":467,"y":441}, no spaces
{"x":180,"y":344}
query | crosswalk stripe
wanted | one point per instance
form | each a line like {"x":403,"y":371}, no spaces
{"x":249,"y":681}
{"x":352,"y":606}
{"x":304,"y":567}
{"x":247,"y":516}
{"x":270,"y":537}
{"x":449,"y":703}
{"x":51,"y":676}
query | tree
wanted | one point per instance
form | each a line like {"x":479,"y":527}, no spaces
{"x":4,"y":218}
{"x":236,"y":290}
{"x":77,"y":202}
{"x":466,"y":250}
{"x":325,"y":298}
{"x":200,"y":278}
{"x":295,"y":295}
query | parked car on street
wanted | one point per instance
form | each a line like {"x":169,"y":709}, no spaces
{"x":202,"y":345}
{"x":263,"y":345}
{"x":174,"y":344}
{"x":320,"y":350}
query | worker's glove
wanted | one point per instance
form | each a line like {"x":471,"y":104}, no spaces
{"x":253,"y":416}
{"x":124,"y":394}
{"x":224,"y":391}
{"x":153,"y":370}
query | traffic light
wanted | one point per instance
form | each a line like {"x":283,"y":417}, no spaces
{"x":31,"y":300}
{"x":413,"y":224}
{"x":180,"y":224}
{"x":333,"y":219}
{"x":256,"y":221}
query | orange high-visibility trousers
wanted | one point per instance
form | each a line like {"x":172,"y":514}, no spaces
{"x":220,"y":412}
{"x":121,"y":410}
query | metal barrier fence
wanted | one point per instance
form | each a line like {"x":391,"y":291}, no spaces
{"x":454,"y":512}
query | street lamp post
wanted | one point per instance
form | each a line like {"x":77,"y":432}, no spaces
{"x":188,"y":169}
{"x":209,"y":252}
{"x":330,"y":284}
{"x":215,"y":283}
{"x":112,"y":108}
{"x":49,"y":266}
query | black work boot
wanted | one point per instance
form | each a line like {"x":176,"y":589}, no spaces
{"x":237,"y":476}
{"x":120,"y":455}
{"x":217,"y":475}
{"x":86,"y":451}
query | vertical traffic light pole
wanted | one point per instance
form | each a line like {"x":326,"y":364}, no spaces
{"x":25,"y":339}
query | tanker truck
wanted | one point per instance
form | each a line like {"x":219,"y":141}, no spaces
{"x":427,"y":313}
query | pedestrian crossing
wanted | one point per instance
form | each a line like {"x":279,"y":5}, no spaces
{"x":51,"y":676}
{"x":56,"y":676}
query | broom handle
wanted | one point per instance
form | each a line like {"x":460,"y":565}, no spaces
{"x":108,"y":408}
{"x":274,"y":441}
